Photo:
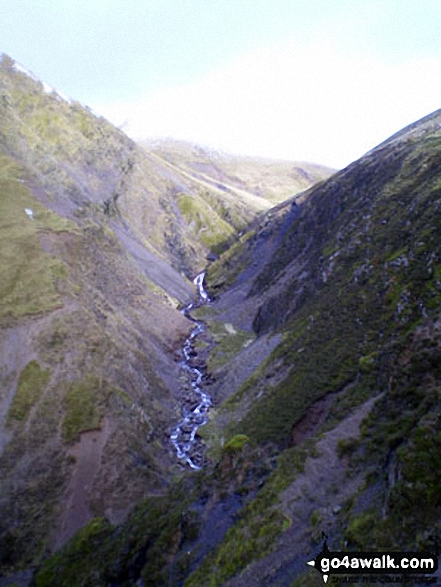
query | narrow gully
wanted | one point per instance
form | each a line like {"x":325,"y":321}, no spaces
{"x":188,"y":446}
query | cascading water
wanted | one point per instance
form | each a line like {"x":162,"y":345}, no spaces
{"x":195,"y":411}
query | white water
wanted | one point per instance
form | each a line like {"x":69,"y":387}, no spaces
{"x":199,"y":282}
{"x":188,"y":447}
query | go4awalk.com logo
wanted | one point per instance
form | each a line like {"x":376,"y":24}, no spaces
{"x":374,"y":563}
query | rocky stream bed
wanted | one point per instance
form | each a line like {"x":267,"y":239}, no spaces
{"x":196,"y":402}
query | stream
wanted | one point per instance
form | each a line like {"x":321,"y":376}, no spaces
{"x":197,"y":403}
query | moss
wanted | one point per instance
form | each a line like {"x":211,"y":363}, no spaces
{"x":27,"y":524}
{"x":351,"y":336}
{"x":246,"y":541}
{"x":143,"y":548}
{"x":204,"y":312}
{"x":83,"y":409}
{"x":290,"y":463}
{"x":236,"y":443}
{"x":224,"y":271}
{"x":359,"y":531}
{"x":315,"y":518}
{"x":229,"y":342}
{"x":29,"y":274}
{"x":203,"y":222}
{"x":347,"y":447}
{"x":31,"y":385}
{"x":345,"y":319}
{"x":345,"y":401}
{"x":419,"y":464}
{"x":402,"y":436}
{"x":258,"y":526}
{"x":367,"y":362}
{"x":309,"y":378}
{"x":71,"y":567}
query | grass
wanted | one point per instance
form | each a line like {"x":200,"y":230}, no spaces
{"x":360,"y":327}
{"x":359,"y":334}
{"x":227,"y":268}
{"x":100,"y":555}
{"x":259,"y":523}
{"x":405,"y":423}
{"x":28,"y":522}
{"x":29,"y":274}
{"x":82,"y":549}
{"x":204,"y":312}
{"x":31,"y":385}
{"x":229,"y":342}
{"x":353,"y":324}
{"x":203,"y":222}
{"x":236,"y":443}
{"x":83,"y":408}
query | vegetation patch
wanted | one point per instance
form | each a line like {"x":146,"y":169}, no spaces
{"x":250,"y":539}
{"x":100,"y":554}
{"x":31,"y":385}
{"x":26,"y":525}
{"x":204,"y":223}
{"x":70,"y":567}
{"x":29,"y":274}
{"x":229,"y":342}
{"x":224,"y":271}
{"x":236,"y":443}
{"x":259,"y":523}
{"x":204,"y":312}
{"x":83,"y":408}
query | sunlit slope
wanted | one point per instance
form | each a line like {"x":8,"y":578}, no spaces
{"x":89,"y":324}
{"x":85,"y":341}
{"x":251,"y":179}
{"x":173,"y":199}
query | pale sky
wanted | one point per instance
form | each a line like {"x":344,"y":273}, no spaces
{"x":312,"y":80}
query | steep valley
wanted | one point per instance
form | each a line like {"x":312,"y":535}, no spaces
{"x":320,"y":353}
{"x":100,"y":241}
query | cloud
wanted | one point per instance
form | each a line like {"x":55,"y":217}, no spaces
{"x":304,"y":103}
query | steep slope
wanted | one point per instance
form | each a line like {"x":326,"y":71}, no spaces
{"x":85,"y":163}
{"x":348,"y":309}
{"x":89,"y":326}
{"x":98,"y":241}
{"x":326,"y":379}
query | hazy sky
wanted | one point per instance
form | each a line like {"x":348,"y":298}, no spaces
{"x":319,"y":80}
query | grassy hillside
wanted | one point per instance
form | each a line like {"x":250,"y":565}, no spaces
{"x":82,"y":349}
{"x":85,"y":165}
{"x":29,"y":274}
{"x":99,"y":238}
{"x":249,"y":179}
{"x":89,"y":324}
